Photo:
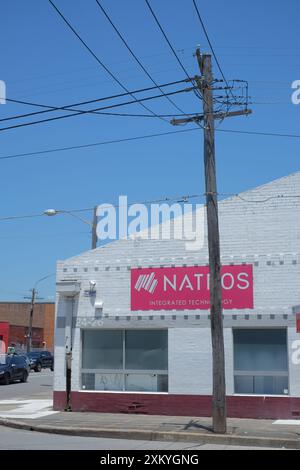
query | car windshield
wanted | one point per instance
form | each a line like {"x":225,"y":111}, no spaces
{"x":4,"y":359}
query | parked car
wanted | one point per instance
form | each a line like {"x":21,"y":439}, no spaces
{"x":13,"y":367}
{"x":41,"y":360}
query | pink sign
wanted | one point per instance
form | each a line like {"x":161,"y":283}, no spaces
{"x":187,"y":288}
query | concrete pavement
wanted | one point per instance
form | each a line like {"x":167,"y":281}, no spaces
{"x":241,"y":432}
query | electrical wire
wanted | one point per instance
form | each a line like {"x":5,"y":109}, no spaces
{"x":170,"y":45}
{"x":177,"y":199}
{"x":81,"y":103}
{"x":141,"y":137}
{"x":199,"y":95}
{"x":258,"y":201}
{"x":148,"y":202}
{"x":95,"y":144}
{"x":134,"y":55}
{"x":79,"y":113}
{"x":13,"y":217}
{"x":100,"y":61}
{"x":267,"y":134}
{"x":217,"y":61}
{"x":137,"y":115}
{"x":210,"y":44}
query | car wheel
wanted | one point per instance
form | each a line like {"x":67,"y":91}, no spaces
{"x":52,"y":368}
{"x":38,"y":368}
{"x":24,"y":377}
{"x":6,"y":379}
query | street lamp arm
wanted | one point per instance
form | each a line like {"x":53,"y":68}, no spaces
{"x":77,"y":217}
{"x":52,"y":212}
{"x":43,"y":278}
{"x":92,"y":224}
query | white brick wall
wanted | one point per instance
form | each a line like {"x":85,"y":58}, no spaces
{"x":190,"y":361}
{"x":266,"y":235}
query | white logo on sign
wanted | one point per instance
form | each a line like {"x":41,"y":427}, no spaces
{"x":146,"y":282}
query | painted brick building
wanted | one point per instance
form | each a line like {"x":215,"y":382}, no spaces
{"x":14,"y":321}
{"x":158,"y":361}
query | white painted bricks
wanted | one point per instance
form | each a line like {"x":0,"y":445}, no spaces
{"x":265,"y":234}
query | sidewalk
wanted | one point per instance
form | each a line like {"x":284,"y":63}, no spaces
{"x":241,"y":432}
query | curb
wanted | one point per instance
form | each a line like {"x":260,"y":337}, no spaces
{"x":138,"y":434}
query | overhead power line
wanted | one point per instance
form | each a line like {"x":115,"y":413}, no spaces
{"x":134,"y":55}
{"x":94,"y":144}
{"x":69,"y":107}
{"x":210,"y":45}
{"x":178,"y":199}
{"x":141,"y":137}
{"x":100,"y":113}
{"x":267,"y":134}
{"x":92,"y":53}
{"x":79,"y":113}
{"x":147,"y":202}
{"x":13,"y":217}
{"x":169,"y":44}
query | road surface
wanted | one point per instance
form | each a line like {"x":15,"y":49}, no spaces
{"x":39,"y":386}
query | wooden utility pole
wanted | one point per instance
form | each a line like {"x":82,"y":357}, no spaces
{"x":94,"y":229}
{"x":32,"y":299}
{"x":29,"y":337}
{"x":216,"y":316}
{"x":205,"y":84}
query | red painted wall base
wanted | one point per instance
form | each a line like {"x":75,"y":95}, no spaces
{"x":257,"y":407}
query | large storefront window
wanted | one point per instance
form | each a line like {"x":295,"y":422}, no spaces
{"x":260,"y":361}
{"x":119,"y":360}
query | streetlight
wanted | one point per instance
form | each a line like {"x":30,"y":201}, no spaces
{"x":93,"y":224}
{"x":33,"y":298}
{"x":68,"y":355}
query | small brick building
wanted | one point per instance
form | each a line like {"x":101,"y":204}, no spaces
{"x":14,"y":321}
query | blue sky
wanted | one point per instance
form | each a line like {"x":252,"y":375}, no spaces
{"x":43,"y":62}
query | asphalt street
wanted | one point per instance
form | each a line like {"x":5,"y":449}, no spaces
{"x":13,"y":439}
{"x":39,"y":385}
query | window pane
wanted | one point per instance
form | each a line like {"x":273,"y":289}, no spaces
{"x":102,"y":349}
{"x":141,"y":382}
{"x":270,"y":385}
{"x":281,"y":385}
{"x":243,"y":384}
{"x":88,"y":381}
{"x":260,"y":350}
{"x":113,"y":382}
{"x":146,"y":383}
{"x":261,"y":384}
{"x":162,"y":383}
{"x":146,"y":349}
